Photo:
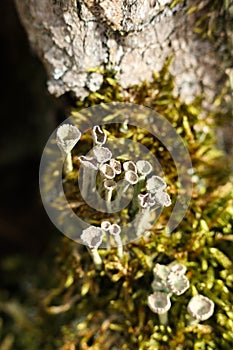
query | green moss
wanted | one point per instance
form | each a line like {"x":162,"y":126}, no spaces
{"x":213,"y":21}
{"x":112,"y":311}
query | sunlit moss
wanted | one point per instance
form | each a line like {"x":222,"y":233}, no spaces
{"x":112,"y":311}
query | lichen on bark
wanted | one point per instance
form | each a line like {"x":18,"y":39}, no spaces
{"x":133,"y":38}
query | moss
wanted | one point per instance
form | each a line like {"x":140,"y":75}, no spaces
{"x":108,"y":309}
{"x":213,"y":21}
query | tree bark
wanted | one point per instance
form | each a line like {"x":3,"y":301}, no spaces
{"x":133,"y":38}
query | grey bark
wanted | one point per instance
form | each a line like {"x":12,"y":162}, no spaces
{"x":134,"y":38}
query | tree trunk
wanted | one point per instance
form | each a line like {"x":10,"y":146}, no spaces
{"x":76,"y":39}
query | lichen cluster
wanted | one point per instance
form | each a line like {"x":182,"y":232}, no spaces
{"x":112,"y":312}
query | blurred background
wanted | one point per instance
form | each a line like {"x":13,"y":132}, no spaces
{"x":28,"y":240}
{"x":28,"y":116}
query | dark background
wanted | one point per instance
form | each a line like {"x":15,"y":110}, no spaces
{"x":28,"y":116}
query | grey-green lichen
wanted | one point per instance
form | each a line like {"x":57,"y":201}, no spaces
{"x":112,"y":310}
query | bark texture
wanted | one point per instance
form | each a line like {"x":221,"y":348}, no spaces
{"x":134,"y":38}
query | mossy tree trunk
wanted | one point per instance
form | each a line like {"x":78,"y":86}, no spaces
{"x":79,"y":41}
